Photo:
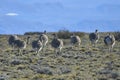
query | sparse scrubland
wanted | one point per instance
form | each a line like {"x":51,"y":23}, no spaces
{"x":84,"y":63}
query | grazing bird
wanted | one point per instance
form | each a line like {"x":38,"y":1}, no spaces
{"x":16,"y":42}
{"x":75,"y":40}
{"x":94,"y":37}
{"x":44,"y":39}
{"x":20,"y":44}
{"x":109,"y":40}
{"x":11,"y":40}
{"x":56,"y":43}
{"x":37,"y":45}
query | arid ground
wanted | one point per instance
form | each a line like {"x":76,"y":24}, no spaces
{"x":78,"y":63}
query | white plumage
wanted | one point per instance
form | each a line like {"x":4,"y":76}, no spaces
{"x":44,"y":39}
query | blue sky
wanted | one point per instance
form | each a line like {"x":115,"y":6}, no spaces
{"x":20,"y":16}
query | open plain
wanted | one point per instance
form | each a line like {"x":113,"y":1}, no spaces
{"x":73,"y":63}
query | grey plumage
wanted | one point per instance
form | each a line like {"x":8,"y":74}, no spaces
{"x":94,"y":37}
{"x":11,"y":40}
{"x":20,"y":44}
{"x":57,"y":43}
{"x":37,"y":45}
{"x":75,"y":40}
{"x":16,"y":42}
{"x":109,"y":40}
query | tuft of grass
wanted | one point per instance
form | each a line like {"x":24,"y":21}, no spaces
{"x":82,"y":49}
{"x":95,"y":49}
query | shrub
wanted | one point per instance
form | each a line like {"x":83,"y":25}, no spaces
{"x":65,"y":34}
{"x":81,"y":34}
{"x":32,"y":33}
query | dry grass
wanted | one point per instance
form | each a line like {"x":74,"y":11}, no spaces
{"x":86,"y":63}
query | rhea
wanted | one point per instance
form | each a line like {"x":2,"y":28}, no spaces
{"x":37,"y":45}
{"x":11,"y":40}
{"x":109,"y":41}
{"x":75,"y":40}
{"x":28,"y":40}
{"x":44,"y":39}
{"x":20,"y":44}
{"x":94,"y":37}
{"x":56,"y":43}
{"x":16,"y":42}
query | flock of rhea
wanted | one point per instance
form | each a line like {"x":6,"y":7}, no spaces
{"x":40,"y":44}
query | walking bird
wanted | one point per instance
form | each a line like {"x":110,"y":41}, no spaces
{"x":94,"y":37}
{"x":109,"y":40}
{"x":57,"y":43}
{"x":75,"y":40}
{"x":37,"y":45}
{"x":44,"y":39}
{"x":16,"y":42}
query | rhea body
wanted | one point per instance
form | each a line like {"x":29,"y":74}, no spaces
{"x":109,"y":41}
{"x":75,"y":40}
{"x":44,"y":39}
{"x":37,"y":45}
{"x":56,"y":43}
{"x":16,"y":42}
{"x":94,"y":37}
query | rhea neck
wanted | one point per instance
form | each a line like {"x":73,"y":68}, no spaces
{"x":45,"y":32}
{"x":55,"y":36}
{"x":96,"y":31}
{"x":73,"y":35}
{"x":110,"y":35}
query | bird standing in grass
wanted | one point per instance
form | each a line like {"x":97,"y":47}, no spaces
{"x":94,"y":37}
{"x":57,"y":43}
{"x":16,"y":42}
{"x":44,"y":39}
{"x":20,"y":45}
{"x":37,"y":45}
{"x":75,"y":40}
{"x":11,"y":40}
{"x":109,"y":40}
